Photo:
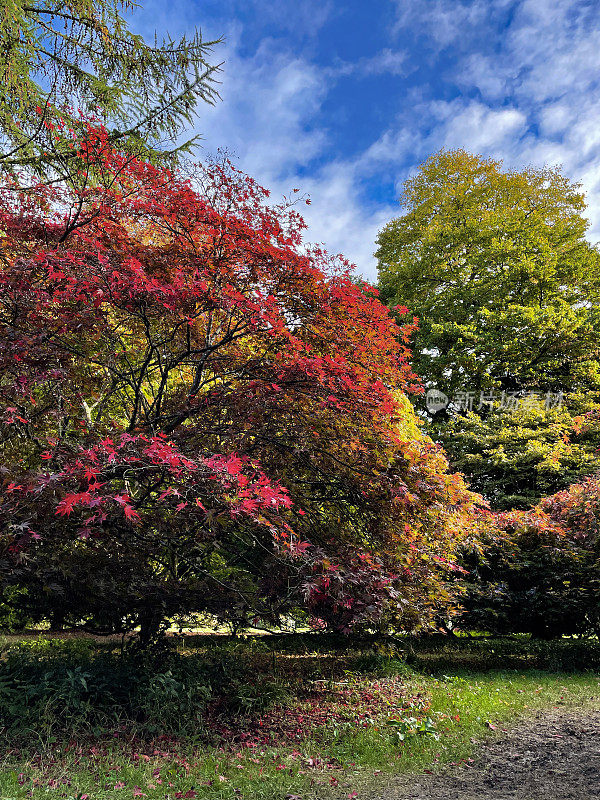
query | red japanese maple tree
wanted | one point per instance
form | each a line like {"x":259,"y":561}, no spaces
{"x":201,"y":413}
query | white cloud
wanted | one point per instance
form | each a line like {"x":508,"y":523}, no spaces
{"x":339,"y":217}
{"x":266,"y":120}
{"x":483,"y":73}
{"x":555,"y":118}
{"x":533,"y":100}
{"x":526,"y":72}
{"x":305,"y":18}
{"x":394,"y":146}
{"x":446,"y":22}
{"x":477,"y":127}
{"x":453,"y":124}
{"x":390,"y":62}
{"x":530,"y":91}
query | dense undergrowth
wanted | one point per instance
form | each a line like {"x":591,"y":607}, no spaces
{"x":267,"y":717}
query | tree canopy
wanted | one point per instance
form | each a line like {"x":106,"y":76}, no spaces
{"x":514,"y":456}
{"x":496,"y":266}
{"x":544,"y":560}
{"x":200,"y":414}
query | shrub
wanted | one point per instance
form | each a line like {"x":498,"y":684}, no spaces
{"x":55,"y":686}
{"x":538,"y":572}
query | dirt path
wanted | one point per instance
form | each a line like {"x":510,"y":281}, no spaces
{"x":553,"y":756}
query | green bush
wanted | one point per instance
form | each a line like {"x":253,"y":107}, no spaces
{"x":247,"y":697}
{"x":442,"y":653}
{"x":78,"y":686}
{"x":13,"y":617}
{"x":54,"y":686}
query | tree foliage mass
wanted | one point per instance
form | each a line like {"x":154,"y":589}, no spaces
{"x":200,"y":415}
{"x":496,"y":266}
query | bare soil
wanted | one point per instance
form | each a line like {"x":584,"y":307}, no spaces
{"x":552,"y":756}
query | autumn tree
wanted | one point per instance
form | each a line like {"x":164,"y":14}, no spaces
{"x":496,"y":266}
{"x":200,"y":413}
{"x":59,"y":60}
{"x":544,"y":561}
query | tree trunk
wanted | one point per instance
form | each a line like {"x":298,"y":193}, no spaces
{"x":150,"y":626}
{"x":57,"y":620}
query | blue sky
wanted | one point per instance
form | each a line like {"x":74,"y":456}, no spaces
{"x":343,"y":99}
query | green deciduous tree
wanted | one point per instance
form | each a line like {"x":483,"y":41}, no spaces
{"x":496,"y":266}
{"x":515,"y":456}
{"x":80,"y":54}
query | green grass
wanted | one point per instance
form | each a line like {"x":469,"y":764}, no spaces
{"x":322,"y":722}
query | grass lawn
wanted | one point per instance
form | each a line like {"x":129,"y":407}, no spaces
{"x":296,"y":717}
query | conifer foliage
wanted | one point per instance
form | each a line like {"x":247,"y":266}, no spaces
{"x":60,"y":59}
